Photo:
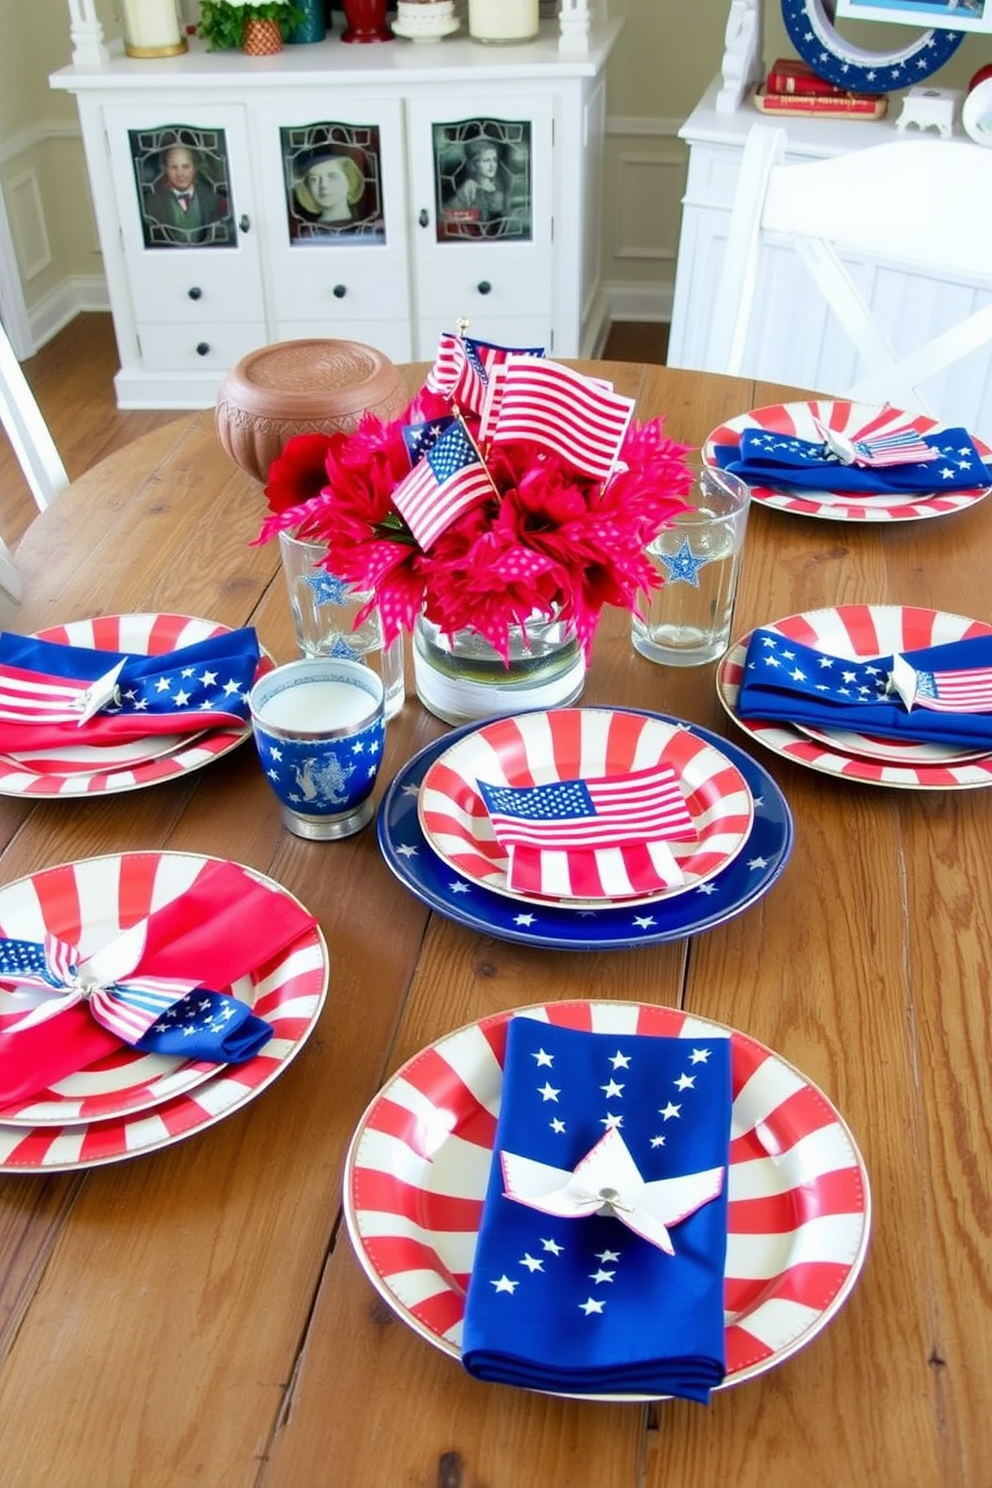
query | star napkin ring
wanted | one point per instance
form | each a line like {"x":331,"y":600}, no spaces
{"x":607,"y":1181}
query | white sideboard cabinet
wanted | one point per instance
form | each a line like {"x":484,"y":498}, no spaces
{"x":795,"y":340}
{"x":372,"y":193}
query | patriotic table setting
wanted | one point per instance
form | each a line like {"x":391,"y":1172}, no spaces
{"x":852,"y":462}
{"x":885,"y":694}
{"x":462,"y":895}
{"x":144,"y":996}
{"x":584,"y":806}
{"x":118,"y":702}
{"x":612,"y":1200}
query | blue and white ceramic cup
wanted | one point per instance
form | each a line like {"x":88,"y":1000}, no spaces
{"x":319,"y":727}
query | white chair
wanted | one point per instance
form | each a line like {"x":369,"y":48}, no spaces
{"x":27,"y":431}
{"x":36,"y":454}
{"x":921,"y":205}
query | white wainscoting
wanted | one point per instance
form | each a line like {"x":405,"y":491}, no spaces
{"x":645,"y":163}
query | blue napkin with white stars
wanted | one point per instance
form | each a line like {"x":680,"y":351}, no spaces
{"x":46,"y":687}
{"x":787,"y":682}
{"x":783,"y":462}
{"x":587,"y":1304}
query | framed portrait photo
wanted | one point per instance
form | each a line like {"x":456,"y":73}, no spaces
{"x":945,"y":15}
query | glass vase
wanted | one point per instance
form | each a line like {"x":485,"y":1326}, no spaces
{"x":463,"y":678}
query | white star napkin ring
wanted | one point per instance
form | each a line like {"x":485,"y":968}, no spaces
{"x":607,"y":1181}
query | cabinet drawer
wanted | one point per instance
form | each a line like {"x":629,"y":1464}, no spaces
{"x":487,"y":283}
{"x":341,"y":284}
{"x":389,"y":336}
{"x":180,"y":347}
{"x":195,"y":288}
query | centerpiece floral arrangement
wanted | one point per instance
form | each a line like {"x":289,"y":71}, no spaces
{"x":512,"y":486}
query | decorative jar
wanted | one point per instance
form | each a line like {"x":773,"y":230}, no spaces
{"x":463,"y":678}
{"x":311,"y":27}
{"x":496,"y":22}
{"x":152,"y":28}
{"x":261,"y":38}
{"x":366,"y":21}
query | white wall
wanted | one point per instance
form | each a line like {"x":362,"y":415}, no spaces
{"x":666,"y":56}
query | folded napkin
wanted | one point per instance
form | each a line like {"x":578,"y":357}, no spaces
{"x":596,"y":838}
{"x":51,"y":694}
{"x":158,"y":986}
{"x":600,"y":1259}
{"x":782,"y":461}
{"x":939,"y":694}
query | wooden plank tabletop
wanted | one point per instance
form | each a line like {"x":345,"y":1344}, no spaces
{"x":196,"y":1316}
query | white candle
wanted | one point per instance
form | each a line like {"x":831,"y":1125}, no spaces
{"x":151,"y":26}
{"x":502,"y":20}
{"x":318,"y":707}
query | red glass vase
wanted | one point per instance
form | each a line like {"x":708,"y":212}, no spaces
{"x":366,"y":21}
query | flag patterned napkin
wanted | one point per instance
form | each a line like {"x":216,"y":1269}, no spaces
{"x":940,"y":694}
{"x":781,"y":461}
{"x":589,"y":839}
{"x":52,"y":694}
{"x":159,"y":986}
{"x":601,"y":1251}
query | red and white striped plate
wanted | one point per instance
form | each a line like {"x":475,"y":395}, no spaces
{"x":844,"y":417}
{"x":799,"y":1209}
{"x":892,"y":751}
{"x":859,"y":630}
{"x":568,"y":744}
{"x":135,"y":1103}
{"x":144,"y":635}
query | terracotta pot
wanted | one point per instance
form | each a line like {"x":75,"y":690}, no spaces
{"x":302,"y":387}
{"x":366,"y":20}
{"x":261,"y":38}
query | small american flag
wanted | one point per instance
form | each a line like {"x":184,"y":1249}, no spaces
{"x":905,"y":447}
{"x":419,"y":438}
{"x":967,"y":691}
{"x":463,"y":367}
{"x":450,"y":478}
{"x":591,"y":838}
{"x":459,"y":372}
{"x":541,"y":401}
{"x":901,"y":445}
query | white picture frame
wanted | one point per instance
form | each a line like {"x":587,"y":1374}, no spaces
{"x":945,"y":15}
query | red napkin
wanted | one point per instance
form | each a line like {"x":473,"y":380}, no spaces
{"x":226,"y":925}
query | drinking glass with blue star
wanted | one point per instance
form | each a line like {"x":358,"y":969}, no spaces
{"x":325,"y":617}
{"x":687,"y":621}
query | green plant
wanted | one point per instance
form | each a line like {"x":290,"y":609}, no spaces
{"x":222,"y":22}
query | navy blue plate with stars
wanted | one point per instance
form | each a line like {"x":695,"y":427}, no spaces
{"x":614,"y":927}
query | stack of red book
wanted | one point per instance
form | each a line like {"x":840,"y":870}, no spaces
{"x":792,"y":87}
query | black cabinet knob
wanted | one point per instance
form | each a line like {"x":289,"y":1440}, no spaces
{"x":339,"y":291}
{"x":484,"y":287}
{"x":244,"y":222}
{"x":195,"y":292}
{"x":203,"y":348}
{"x":423,"y":218}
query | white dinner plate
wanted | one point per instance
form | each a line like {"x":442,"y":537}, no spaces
{"x":581,"y":743}
{"x":419,"y":1164}
{"x":859,"y":631}
{"x":842,"y":416}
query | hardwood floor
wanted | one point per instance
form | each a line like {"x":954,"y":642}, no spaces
{"x":72,"y":378}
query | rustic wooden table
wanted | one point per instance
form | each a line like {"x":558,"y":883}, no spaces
{"x":198,"y":1316}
